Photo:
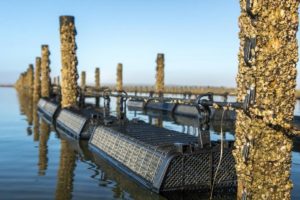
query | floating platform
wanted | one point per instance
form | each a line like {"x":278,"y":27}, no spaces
{"x":163,"y":160}
{"x":176,"y":108}
{"x":48,"y":110}
{"x":186,"y":110}
{"x":73,"y":122}
{"x":136,"y":103}
{"x":164,"y":106}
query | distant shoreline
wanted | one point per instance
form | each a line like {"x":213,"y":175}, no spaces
{"x":6,"y":85}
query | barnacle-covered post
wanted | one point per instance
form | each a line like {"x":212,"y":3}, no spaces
{"x":29,"y":102}
{"x":267,"y":65}
{"x":37,"y":80}
{"x":83,"y":80}
{"x":97,"y":84}
{"x":69,"y":62}
{"x":97,"y":78}
{"x":45,"y":71}
{"x":160,"y":75}
{"x":30,"y":79}
{"x":58,"y":80}
{"x":119,"y":77}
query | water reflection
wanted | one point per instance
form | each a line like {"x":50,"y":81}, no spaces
{"x":43,"y":147}
{"x":65,"y":173}
{"x":26,"y":105}
{"x":74,"y":154}
{"x":35,"y":123}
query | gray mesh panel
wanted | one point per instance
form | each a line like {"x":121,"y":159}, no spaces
{"x":140,"y":159}
{"x":71,"y":121}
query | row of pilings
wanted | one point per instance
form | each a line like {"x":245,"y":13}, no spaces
{"x":37,"y":82}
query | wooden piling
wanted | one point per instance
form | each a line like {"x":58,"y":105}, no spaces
{"x":97,"y":78}
{"x":58,"y":80}
{"x":160,"y":74}
{"x":83,"y":79}
{"x":30,"y":79}
{"x":97,"y":85}
{"x":119,"y":78}
{"x":69,"y":73}
{"x":36,"y":122}
{"x":45,"y":71}
{"x":37,"y":80}
{"x":267,"y":65}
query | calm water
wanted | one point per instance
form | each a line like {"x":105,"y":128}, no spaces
{"x":35,"y":163}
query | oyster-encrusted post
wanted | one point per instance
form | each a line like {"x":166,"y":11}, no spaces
{"x":119,"y":78}
{"x":37,"y":80}
{"x":97,"y":78}
{"x":97,"y":85}
{"x":160,"y":74}
{"x":58,"y":80}
{"x":45,"y":71}
{"x":69,"y":62}
{"x":267,"y":64}
{"x":30,"y":86}
{"x":30,"y":79}
{"x":83,"y":80}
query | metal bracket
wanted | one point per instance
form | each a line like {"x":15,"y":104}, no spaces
{"x":245,"y":152}
{"x":249,"y":8}
{"x":244,"y":195}
{"x":249,"y":98}
{"x":249,"y":46}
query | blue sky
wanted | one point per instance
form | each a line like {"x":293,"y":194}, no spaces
{"x":199,"y":38}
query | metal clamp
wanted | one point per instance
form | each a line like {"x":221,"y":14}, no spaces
{"x":249,"y":47}
{"x":249,"y":98}
{"x":245,"y":152}
{"x":203,"y":107}
{"x":244,"y":194}
{"x":249,"y":8}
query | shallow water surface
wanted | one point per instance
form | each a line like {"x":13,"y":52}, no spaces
{"x":37,"y":163}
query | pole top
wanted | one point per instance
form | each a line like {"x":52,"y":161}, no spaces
{"x":66,"y":20}
{"x":44,"y":46}
{"x":160,"y":55}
